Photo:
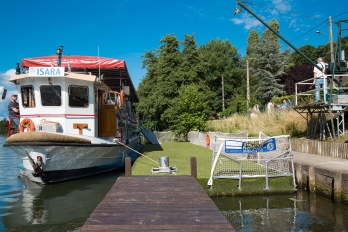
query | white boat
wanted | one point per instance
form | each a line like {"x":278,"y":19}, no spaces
{"x":77,"y":117}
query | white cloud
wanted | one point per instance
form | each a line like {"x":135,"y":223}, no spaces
{"x":282,"y":5}
{"x":293,"y":23}
{"x":4,"y":77}
{"x":247,"y":20}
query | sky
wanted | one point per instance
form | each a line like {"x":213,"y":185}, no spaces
{"x":126,"y":29}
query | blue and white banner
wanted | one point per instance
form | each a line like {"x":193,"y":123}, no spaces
{"x":238,"y":146}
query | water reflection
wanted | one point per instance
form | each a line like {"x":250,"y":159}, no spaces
{"x":27,"y":206}
{"x":299,"y":212}
{"x":60,"y":207}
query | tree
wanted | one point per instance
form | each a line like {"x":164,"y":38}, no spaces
{"x":3,"y":126}
{"x":269,"y":64}
{"x":192,"y":66}
{"x":253,"y":39}
{"x":159,"y":88}
{"x":192,"y":109}
{"x":221,"y":59}
{"x":168,"y":69}
{"x":309,"y":50}
{"x":297,"y":74}
{"x":268,"y":35}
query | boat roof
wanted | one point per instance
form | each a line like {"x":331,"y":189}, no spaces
{"x":114,"y":71}
{"x":67,"y":75}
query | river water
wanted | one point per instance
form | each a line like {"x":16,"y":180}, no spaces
{"x":26,"y":206}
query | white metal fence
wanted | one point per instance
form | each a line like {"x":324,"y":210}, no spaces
{"x":165,"y":136}
{"x":237,"y":158}
{"x":199,"y":138}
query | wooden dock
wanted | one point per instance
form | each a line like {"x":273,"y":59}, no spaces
{"x":157,"y":203}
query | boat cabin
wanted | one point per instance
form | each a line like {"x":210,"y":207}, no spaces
{"x":56,"y":99}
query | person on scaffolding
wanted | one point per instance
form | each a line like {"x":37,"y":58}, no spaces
{"x":319,"y":80}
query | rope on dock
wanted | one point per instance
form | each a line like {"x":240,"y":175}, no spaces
{"x":138,"y":152}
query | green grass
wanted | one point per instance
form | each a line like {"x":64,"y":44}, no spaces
{"x":179,"y":154}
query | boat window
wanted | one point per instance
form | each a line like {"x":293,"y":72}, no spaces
{"x":28,"y":98}
{"x":51,"y":95}
{"x":78,"y":96}
{"x":109,"y":98}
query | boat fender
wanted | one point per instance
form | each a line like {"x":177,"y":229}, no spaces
{"x":38,"y":170}
{"x":207,"y":141}
{"x":28,"y":124}
{"x":122,"y":97}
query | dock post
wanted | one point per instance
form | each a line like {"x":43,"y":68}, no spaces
{"x":194,"y":167}
{"x":311,"y":177}
{"x":128,"y":167}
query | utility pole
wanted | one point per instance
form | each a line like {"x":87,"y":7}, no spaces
{"x":248,"y":91}
{"x":331,"y":42}
{"x":223,"y":95}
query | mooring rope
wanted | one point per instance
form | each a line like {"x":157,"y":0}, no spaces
{"x":138,"y":152}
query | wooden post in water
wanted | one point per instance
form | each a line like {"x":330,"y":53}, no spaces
{"x":194,"y":167}
{"x":128,"y":167}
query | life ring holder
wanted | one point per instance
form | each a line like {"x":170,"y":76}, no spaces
{"x":207,"y":141}
{"x":28,"y":124}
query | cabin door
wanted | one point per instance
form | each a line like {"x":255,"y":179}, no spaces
{"x":106,"y":116}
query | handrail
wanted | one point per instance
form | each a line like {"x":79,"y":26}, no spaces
{"x":59,"y":115}
{"x":9,"y":128}
{"x":120,"y":131}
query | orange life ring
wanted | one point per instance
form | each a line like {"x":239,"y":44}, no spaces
{"x":122,"y":97}
{"x":207,"y":141}
{"x":26,"y":123}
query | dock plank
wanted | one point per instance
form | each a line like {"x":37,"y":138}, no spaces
{"x":150,"y":203}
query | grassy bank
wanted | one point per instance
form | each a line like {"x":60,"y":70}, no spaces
{"x":179,"y":154}
{"x":282,"y":122}
{"x":275,"y":123}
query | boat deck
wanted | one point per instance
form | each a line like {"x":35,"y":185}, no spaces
{"x":149,"y":203}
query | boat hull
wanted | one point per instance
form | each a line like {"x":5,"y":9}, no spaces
{"x":65,"y":161}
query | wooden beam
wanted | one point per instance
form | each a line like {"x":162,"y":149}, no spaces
{"x":80,"y":126}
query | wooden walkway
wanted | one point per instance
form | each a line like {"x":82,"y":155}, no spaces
{"x":157,"y":203}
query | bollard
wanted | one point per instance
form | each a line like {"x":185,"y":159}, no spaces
{"x":193,"y":167}
{"x":164,"y":162}
{"x":128,"y":167}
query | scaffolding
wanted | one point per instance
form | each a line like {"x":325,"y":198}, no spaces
{"x":332,"y":109}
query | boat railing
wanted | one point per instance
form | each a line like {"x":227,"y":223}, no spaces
{"x":9,"y":127}
{"x":119,"y":134}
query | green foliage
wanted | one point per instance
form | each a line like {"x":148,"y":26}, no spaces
{"x":309,"y":50}
{"x":192,"y":109}
{"x":238,"y":103}
{"x":293,"y":129}
{"x":253,"y":39}
{"x":279,"y":100}
{"x":3,"y":126}
{"x":313,"y":53}
{"x":268,"y":35}
{"x":222,"y":60}
{"x":180,"y":63}
{"x":268,"y":65}
{"x":169,"y":69}
{"x":158,"y":89}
